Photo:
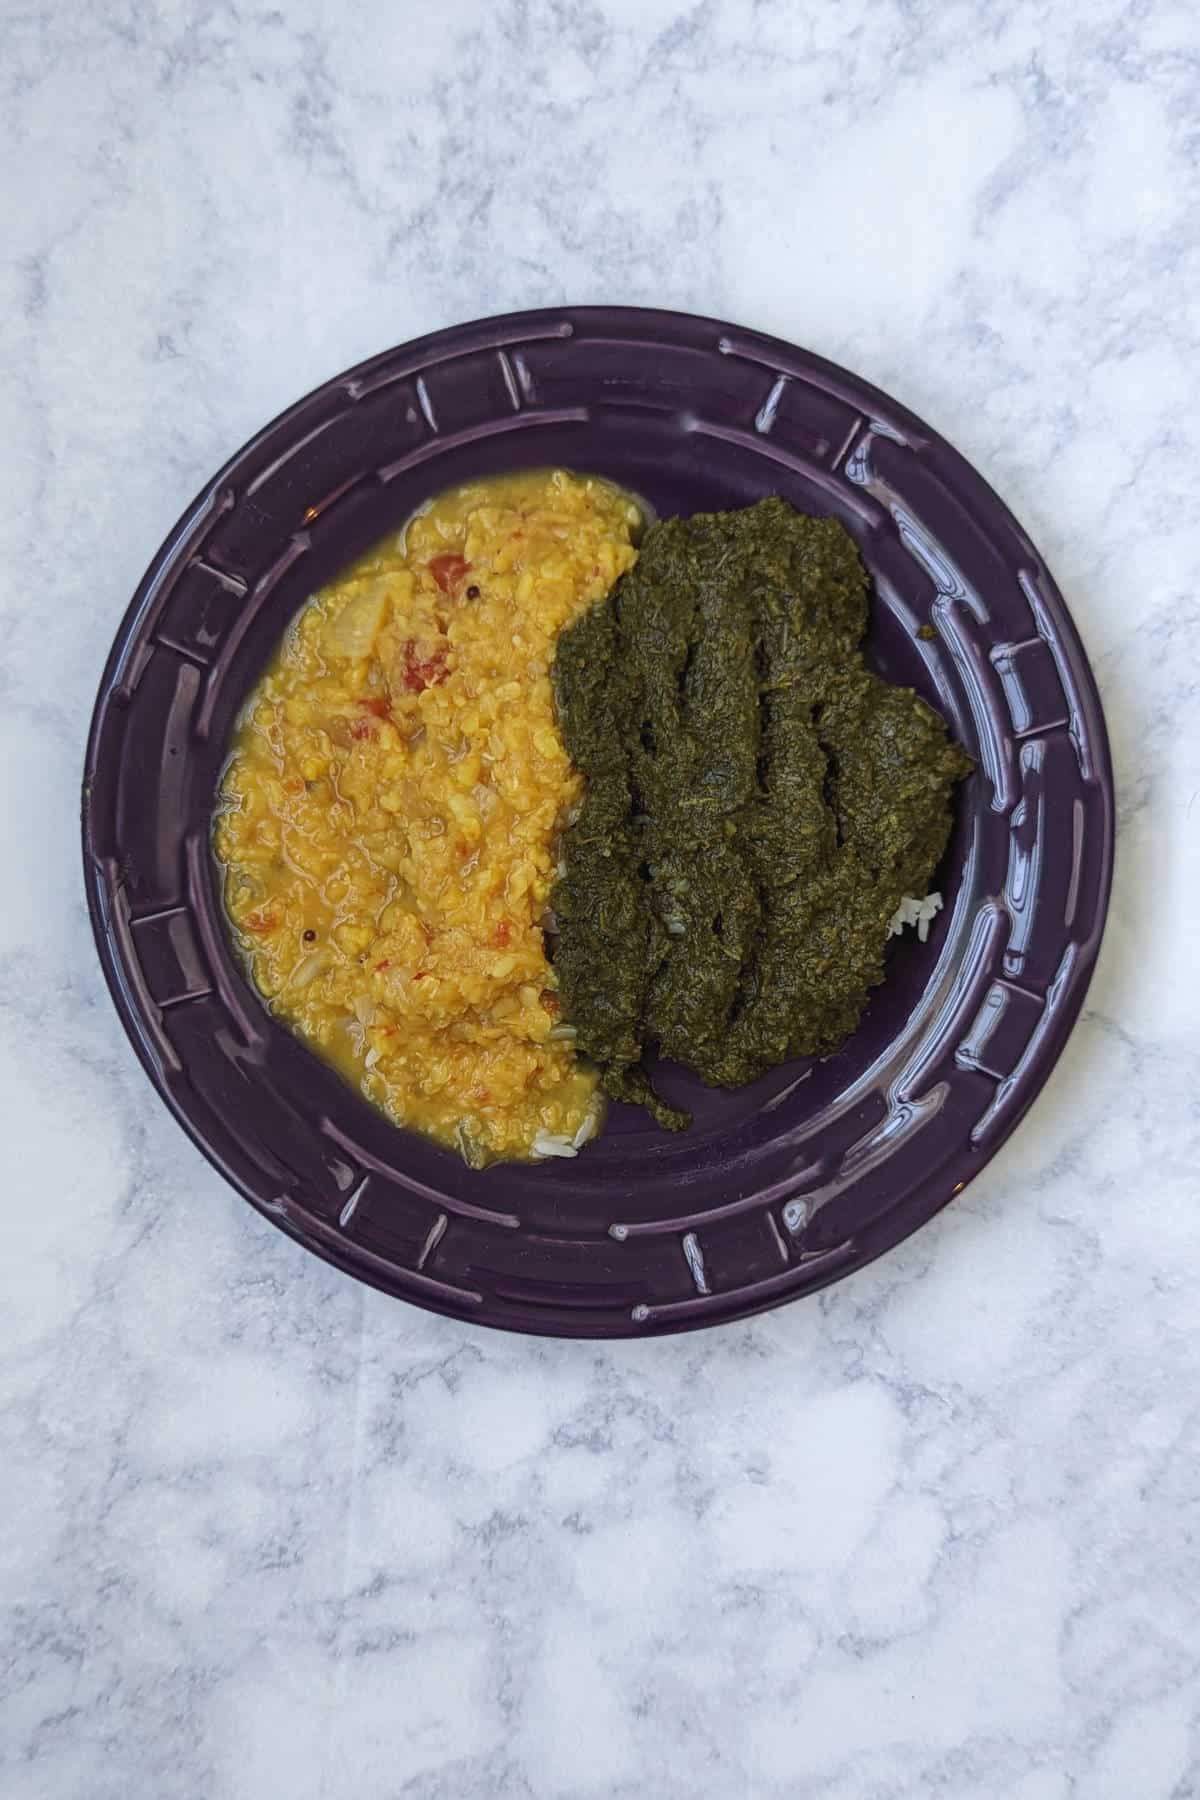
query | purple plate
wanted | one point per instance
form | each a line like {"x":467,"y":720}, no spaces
{"x":783,"y":1186}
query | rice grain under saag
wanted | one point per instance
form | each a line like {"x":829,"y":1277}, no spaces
{"x":757,"y":803}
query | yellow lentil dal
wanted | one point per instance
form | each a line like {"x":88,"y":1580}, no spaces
{"x":390,"y":812}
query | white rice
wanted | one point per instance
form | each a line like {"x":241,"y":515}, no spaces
{"x":551,"y":1143}
{"x":586,"y":1130}
{"x":920,"y":913}
{"x":308,"y":968}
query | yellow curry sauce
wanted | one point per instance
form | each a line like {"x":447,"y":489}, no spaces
{"x":390,"y":813}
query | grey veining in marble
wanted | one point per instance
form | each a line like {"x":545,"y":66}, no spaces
{"x":937,"y":1532}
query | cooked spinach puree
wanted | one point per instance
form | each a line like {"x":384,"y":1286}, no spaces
{"x":757,"y":803}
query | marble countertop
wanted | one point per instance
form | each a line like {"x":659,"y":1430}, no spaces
{"x":936,"y":1531}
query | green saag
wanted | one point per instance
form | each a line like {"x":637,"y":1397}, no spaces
{"x":757,"y":803}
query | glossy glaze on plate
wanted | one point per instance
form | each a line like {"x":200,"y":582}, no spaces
{"x":785,"y":1185}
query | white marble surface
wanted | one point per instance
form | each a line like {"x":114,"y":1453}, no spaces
{"x":938,"y":1532}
